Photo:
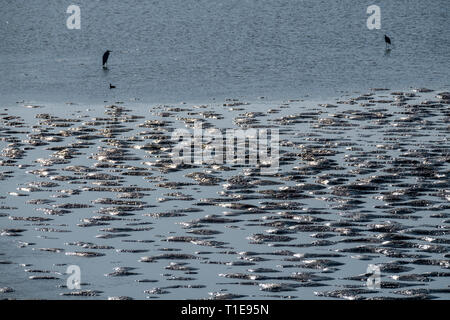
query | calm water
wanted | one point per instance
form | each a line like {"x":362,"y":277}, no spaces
{"x":180,"y":50}
{"x":203,"y":52}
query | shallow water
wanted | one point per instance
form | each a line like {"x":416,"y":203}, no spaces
{"x":368,"y":184}
{"x":181,"y":50}
{"x":87,"y":177}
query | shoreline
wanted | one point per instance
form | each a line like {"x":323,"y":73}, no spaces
{"x":208,"y":100}
{"x":360,"y":182}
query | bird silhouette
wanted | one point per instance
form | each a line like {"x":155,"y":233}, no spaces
{"x":387,"y":40}
{"x":105,"y":58}
{"x":111,"y":86}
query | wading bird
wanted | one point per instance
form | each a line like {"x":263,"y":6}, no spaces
{"x":387,"y":40}
{"x":105,"y":58}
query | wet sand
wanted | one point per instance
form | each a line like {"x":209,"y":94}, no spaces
{"x":363,"y":179}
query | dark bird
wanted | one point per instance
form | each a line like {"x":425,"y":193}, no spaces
{"x":387,"y":40}
{"x":111,"y":86}
{"x":105,"y":58}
